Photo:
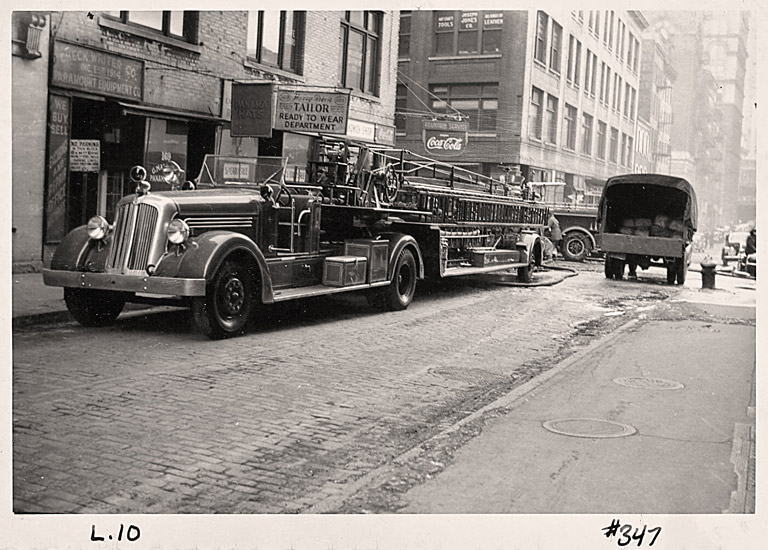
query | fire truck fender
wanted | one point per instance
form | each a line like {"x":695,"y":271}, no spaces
{"x":204,"y":255}
{"x":77,"y":251}
{"x":398,"y":242}
{"x":530,"y":244}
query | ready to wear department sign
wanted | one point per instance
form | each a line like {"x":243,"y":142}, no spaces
{"x":310,"y":111}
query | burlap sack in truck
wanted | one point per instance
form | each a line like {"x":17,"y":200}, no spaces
{"x":642,"y":231}
{"x":677,"y":226}
{"x":677,"y":234}
{"x":627,"y":230}
{"x":628,"y":222}
{"x":657,"y":231}
{"x":645,"y":223}
{"x":661,"y":220}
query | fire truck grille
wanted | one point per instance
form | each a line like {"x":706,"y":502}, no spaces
{"x":133,"y":235}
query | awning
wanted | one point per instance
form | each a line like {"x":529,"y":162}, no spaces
{"x":166,"y":112}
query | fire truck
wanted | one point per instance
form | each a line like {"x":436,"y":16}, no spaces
{"x":242,"y":236}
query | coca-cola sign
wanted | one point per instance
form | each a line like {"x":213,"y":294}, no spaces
{"x":445,"y":138}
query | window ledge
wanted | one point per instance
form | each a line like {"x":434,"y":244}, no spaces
{"x":482,"y":135}
{"x":253,"y":64}
{"x":464,"y":57}
{"x":149,"y":35}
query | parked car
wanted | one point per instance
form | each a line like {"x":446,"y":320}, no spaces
{"x":749,"y":264}
{"x":734,"y":246}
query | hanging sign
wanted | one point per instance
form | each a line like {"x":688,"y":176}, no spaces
{"x":251,"y":110}
{"x":445,"y":137}
{"x":309,"y":111}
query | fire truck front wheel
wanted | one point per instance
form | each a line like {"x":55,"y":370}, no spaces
{"x":94,"y":308}
{"x":226,"y":308}
{"x":399,"y":294}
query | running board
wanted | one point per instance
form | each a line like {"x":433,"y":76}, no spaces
{"x":455,"y":271}
{"x":319,"y":290}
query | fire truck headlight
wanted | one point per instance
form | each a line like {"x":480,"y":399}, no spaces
{"x":177,"y":232}
{"x":97,"y":228}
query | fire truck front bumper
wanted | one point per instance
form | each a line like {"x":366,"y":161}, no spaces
{"x":144,"y":284}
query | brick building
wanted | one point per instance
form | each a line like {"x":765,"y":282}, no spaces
{"x":116,"y":89}
{"x":546,"y":96}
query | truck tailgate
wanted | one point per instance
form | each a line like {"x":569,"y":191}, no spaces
{"x":646,"y":246}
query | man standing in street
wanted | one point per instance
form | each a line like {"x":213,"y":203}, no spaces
{"x":555,"y":234}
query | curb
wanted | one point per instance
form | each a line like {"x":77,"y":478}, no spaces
{"x":63,"y":316}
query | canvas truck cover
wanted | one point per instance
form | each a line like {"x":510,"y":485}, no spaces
{"x":655,"y":188}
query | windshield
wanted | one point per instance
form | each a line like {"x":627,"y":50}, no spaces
{"x":223,"y":170}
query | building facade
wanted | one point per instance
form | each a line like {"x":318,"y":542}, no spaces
{"x":546,"y":96}
{"x":118,"y":89}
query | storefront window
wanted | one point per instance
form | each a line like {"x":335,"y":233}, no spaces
{"x":237,"y":146}
{"x":296,"y":151}
{"x":166,"y":142}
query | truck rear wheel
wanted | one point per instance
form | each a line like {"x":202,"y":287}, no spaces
{"x":225,"y":309}
{"x":399,"y":294}
{"x":671,"y":272}
{"x":575,"y":247}
{"x":94,"y":308}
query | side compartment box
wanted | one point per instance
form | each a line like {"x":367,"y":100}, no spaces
{"x":377,"y":254}
{"x":344,"y":270}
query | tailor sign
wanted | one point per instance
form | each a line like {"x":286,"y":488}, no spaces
{"x":447,"y":138}
{"x":310,"y":111}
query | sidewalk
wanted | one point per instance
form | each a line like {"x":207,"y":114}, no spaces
{"x":34,"y":302}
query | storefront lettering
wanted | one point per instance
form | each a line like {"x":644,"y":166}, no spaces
{"x":312,"y":111}
{"x":58,"y":162}
{"x":446,"y":144}
{"x":90,"y":70}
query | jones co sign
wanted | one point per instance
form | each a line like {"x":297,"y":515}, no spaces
{"x":444,"y":137}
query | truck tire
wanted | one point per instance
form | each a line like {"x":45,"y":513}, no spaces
{"x":671,"y":272}
{"x":399,"y":294}
{"x":681,"y":269}
{"x":525,"y":273}
{"x":94,"y":308}
{"x":614,"y":269}
{"x":226,"y":308}
{"x":575,"y":247}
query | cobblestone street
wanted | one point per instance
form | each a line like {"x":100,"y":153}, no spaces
{"x":149,"y":417}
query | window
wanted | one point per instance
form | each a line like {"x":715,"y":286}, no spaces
{"x":540,"y":48}
{"x":359,"y":51}
{"x":478,"y":102}
{"x":404,"y":42}
{"x":602,"y":128}
{"x":614,"y":145}
{"x":175,"y":24}
{"x":468,"y":32}
{"x":590,"y":74}
{"x":627,"y":98}
{"x":620,"y":40}
{"x":551,"y":122}
{"x":535,"y":120}
{"x":597,"y":24}
{"x":605,"y":82}
{"x":616,"y":91}
{"x":574,"y":61}
{"x":556,"y":47}
{"x":636,"y":54}
{"x":276,"y":38}
{"x":401,"y":102}
{"x":569,"y":127}
{"x":608,"y":32}
{"x":586,"y":134}
{"x":624,"y":156}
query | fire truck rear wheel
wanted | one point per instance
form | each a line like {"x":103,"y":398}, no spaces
{"x":226,"y":308}
{"x":399,"y":294}
{"x":575,"y":247}
{"x":94,"y":308}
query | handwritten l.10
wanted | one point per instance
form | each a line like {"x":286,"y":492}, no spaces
{"x":132,"y":534}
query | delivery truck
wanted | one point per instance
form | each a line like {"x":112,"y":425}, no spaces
{"x":647,"y":220}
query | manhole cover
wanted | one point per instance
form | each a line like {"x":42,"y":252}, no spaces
{"x":589,"y":427}
{"x":644,"y":383}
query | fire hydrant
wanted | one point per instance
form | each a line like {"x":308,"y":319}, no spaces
{"x":708,"y":271}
